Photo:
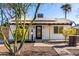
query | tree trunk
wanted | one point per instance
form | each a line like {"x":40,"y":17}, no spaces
{"x":16,"y":53}
{"x":65,"y":14}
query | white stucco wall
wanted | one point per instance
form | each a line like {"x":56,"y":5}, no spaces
{"x":57,"y":36}
{"x":34,"y":32}
{"x":12,"y":28}
{"x":45,"y":32}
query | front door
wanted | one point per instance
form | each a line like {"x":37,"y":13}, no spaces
{"x":38,"y":32}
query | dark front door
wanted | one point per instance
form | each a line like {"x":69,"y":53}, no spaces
{"x":38,"y":32}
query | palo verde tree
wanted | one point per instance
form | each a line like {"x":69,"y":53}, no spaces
{"x":19,"y":10}
{"x":68,"y":32}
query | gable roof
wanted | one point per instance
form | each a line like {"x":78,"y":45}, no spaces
{"x":76,"y":26}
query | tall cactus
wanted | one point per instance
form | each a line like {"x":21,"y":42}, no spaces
{"x":19,"y":10}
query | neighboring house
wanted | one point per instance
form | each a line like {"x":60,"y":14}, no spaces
{"x":44,"y":29}
{"x":77,"y":31}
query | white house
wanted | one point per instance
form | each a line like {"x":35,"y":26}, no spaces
{"x":44,"y":29}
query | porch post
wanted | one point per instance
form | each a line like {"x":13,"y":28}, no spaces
{"x":49,"y":31}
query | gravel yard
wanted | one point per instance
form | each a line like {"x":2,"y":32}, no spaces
{"x":74,"y":51}
{"x":30,"y":50}
{"x":41,"y":49}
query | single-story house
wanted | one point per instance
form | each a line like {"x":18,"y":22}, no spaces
{"x":44,"y":29}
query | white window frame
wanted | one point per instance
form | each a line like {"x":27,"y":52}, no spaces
{"x":58,"y":29}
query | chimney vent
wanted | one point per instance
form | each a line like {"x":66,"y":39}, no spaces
{"x":40,"y":15}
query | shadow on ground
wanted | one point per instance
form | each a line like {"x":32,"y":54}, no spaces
{"x":62,"y":46}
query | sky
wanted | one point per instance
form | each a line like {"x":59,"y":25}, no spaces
{"x":53,"y":10}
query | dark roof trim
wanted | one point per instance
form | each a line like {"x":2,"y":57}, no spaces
{"x":44,"y":24}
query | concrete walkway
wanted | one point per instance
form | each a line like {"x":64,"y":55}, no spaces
{"x":43,"y":44}
{"x":63,"y":52}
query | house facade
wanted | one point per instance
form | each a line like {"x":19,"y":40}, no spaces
{"x":44,"y":29}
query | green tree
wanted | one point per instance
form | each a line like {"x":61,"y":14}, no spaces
{"x":68,"y":32}
{"x":66,"y":8}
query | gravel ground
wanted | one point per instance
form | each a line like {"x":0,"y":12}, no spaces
{"x":40,"y":51}
{"x":74,"y":51}
{"x":30,"y":50}
{"x":3,"y":51}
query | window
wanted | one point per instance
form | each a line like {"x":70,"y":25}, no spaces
{"x":58,"y":29}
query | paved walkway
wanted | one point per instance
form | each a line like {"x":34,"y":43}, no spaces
{"x":60,"y":48}
{"x":43,"y":44}
{"x":63,"y":52}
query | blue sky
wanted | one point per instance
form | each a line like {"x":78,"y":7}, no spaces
{"x":54,"y":11}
